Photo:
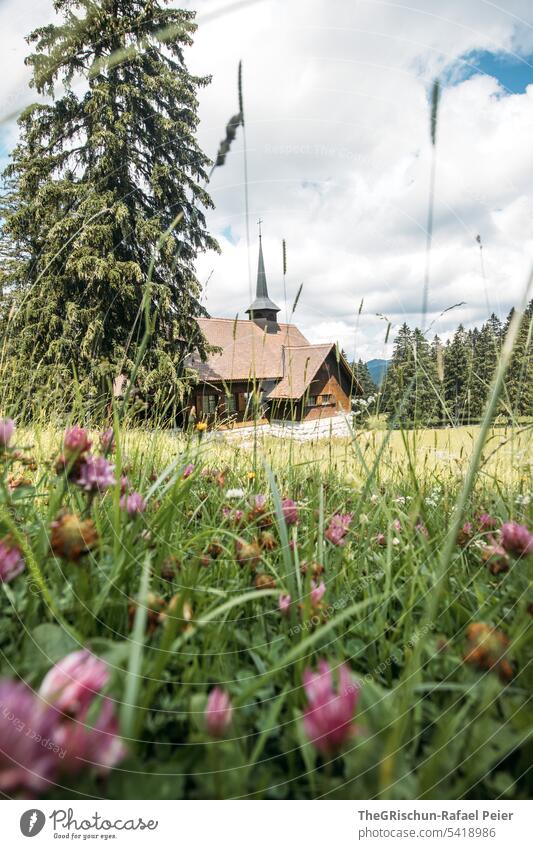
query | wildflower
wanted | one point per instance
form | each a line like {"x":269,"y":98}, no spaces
{"x":496,"y":557}
{"x":133,"y":504}
{"x":338,"y":528}
{"x":421,"y":529}
{"x":170,"y":567}
{"x":218,"y":712}
{"x":284,"y":604}
{"x":267,"y":541}
{"x":188,"y":470}
{"x":214,"y":549}
{"x":486,"y":522}
{"x":465,"y":534}
{"x":76,"y":441}
{"x":88,"y":744}
{"x":18,"y":481}
{"x":124,"y":484}
{"x":486,"y":649}
{"x":516,"y":539}
{"x":72,"y":684}
{"x":328,"y":718}
{"x":316,"y":568}
{"x":215,"y":475}
{"x":201,"y":426}
{"x":258,"y":513}
{"x":265,"y":582}
{"x":250,"y":476}
{"x":107,"y":440}
{"x":381,"y":539}
{"x":397,"y":525}
{"x":96,"y":474}
{"x":11,"y":561}
{"x":7,"y":429}
{"x":71,"y":536}
{"x":235,"y":493}
{"x":235,"y":516}
{"x":248,"y":553}
{"x":26,"y":765}
{"x":317,"y":593}
{"x":290,"y":511}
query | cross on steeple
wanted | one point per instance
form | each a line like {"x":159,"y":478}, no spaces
{"x":259,"y":225}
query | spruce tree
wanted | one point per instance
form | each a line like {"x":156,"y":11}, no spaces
{"x":456,"y":365}
{"x":437,"y":358}
{"x":95,"y":184}
{"x":519,"y":381}
{"x":398,"y":386}
{"x":364,"y":378}
{"x":425,"y":406}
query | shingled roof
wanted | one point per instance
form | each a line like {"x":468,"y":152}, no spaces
{"x":300,"y":366}
{"x":248,"y":351}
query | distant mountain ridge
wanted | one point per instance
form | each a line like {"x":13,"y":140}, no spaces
{"x":377,"y":369}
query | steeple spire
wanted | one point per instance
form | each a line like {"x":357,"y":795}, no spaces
{"x":262,"y":307}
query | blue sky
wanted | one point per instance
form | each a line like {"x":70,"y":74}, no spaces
{"x":513,"y":72}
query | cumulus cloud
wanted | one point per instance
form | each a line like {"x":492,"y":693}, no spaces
{"x":338,"y":156}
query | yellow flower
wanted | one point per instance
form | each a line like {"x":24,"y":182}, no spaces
{"x":251,"y":476}
{"x":201,"y":426}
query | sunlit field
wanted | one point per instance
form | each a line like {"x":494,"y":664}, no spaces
{"x":507,"y":456}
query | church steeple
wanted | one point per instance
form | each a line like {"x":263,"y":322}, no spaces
{"x":263,"y":309}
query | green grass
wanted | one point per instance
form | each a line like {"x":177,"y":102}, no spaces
{"x":429,"y":725}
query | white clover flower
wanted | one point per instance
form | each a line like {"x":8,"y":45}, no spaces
{"x":235,"y":493}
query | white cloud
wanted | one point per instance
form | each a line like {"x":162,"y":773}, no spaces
{"x":339,"y":157}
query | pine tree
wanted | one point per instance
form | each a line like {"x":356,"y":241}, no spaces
{"x":425,"y":406}
{"x":400,"y":373}
{"x":456,"y":364}
{"x":437,"y":357}
{"x":94,"y":186}
{"x":519,"y":381}
{"x":486,"y":355}
{"x":366,"y":404}
{"x":364,"y":378}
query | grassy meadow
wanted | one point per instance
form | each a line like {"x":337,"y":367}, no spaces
{"x":240,"y":569}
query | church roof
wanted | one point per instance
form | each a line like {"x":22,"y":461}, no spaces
{"x":300,"y":366}
{"x":248,"y":351}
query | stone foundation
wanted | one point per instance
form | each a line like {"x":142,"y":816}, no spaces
{"x":334,"y":426}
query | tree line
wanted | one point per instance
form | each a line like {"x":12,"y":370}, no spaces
{"x":435,"y":383}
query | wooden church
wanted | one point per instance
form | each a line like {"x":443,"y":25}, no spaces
{"x":263,"y":371}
